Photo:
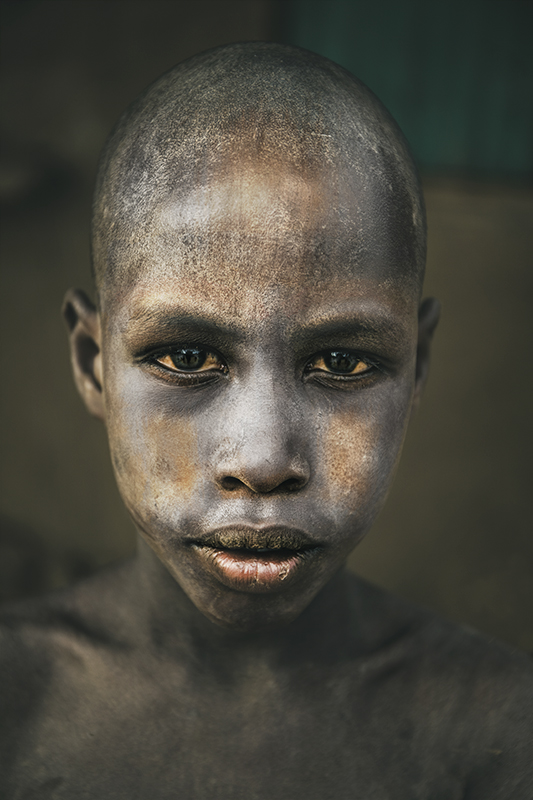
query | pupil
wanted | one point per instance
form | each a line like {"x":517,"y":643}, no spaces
{"x":338,"y":361}
{"x":188,"y":359}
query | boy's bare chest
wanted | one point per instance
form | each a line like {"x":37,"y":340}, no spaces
{"x":153,"y":733}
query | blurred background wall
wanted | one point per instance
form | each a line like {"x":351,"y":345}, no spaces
{"x":456,"y":532}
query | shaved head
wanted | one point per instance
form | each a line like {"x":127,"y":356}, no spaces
{"x":257,"y":109}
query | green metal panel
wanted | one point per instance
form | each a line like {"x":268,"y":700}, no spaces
{"x":456,"y":74}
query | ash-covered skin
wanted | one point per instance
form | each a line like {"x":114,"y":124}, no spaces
{"x":261,"y":106}
{"x":259,"y":201}
{"x":257,"y":210}
{"x":266,"y":442}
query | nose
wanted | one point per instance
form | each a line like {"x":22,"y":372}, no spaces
{"x":262,"y":446}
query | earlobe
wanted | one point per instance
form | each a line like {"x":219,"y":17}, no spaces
{"x":83,"y":325}
{"x":428,"y":317}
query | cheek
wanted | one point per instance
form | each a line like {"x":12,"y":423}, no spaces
{"x":348,"y":455}
{"x":156,"y":461}
{"x":173,"y":450}
{"x":360,"y":452}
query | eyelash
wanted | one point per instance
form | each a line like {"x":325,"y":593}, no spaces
{"x":184,"y":378}
{"x":203,"y":377}
{"x":336,"y":381}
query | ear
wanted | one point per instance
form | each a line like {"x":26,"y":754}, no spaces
{"x":428,"y":317}
{"x":83,"y":323}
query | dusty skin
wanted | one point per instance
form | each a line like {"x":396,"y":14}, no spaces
{"x":256,"y":351}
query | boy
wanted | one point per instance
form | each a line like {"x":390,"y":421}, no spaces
{"x":257,"y":348}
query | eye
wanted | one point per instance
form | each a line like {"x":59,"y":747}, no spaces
{"x":342,"y":363}
{"x":187,"y":360}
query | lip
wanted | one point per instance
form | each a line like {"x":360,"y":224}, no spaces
{"x":256,"y":559}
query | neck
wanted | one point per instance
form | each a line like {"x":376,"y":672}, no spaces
{"x":171,"y":624}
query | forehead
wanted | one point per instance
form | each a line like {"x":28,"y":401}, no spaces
{"x":260,"y":236}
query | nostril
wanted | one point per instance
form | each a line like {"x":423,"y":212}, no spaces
{"x":292,"y":484}
{"x":262,"y":475}
{"x":229,"y":484}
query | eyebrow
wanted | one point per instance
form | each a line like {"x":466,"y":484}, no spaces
{"x":372,"y":332}
{"x":361,"y":324}
{"x":167,"y":322}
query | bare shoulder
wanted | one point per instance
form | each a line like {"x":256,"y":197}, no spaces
{"x":432,"y":642}
{"x":466,"y":699}
{"x":40,"y":637}
{"x":82,"y":608}
{"x":63,"y":658}
{"x":451,"y":665}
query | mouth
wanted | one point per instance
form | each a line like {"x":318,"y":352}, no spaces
{"x":256,"y":559}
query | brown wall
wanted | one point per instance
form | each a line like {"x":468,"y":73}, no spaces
{"x":456,"y":531}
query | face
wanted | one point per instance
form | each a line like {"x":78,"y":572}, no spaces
{"x":258,"y":376}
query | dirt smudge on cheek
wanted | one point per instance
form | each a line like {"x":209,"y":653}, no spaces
{"x":156,"y":464}
{"x":349,"y":451}
{"x":175,"y":457}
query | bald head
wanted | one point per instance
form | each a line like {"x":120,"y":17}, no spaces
{"x":243,"y":115}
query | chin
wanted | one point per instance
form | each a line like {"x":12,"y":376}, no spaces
{"x":244,"y":612}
